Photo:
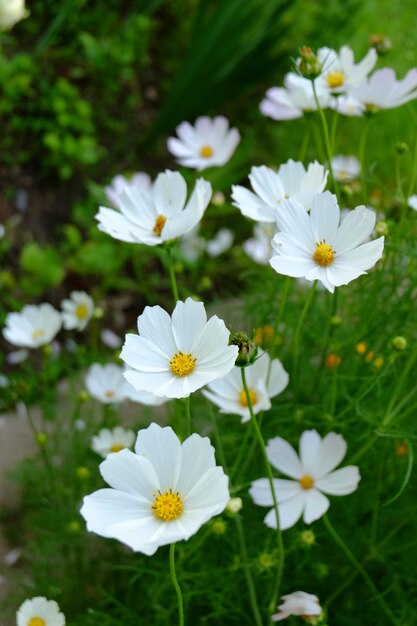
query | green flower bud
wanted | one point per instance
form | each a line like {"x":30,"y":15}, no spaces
{"x":399,"y":343}
{"x":248,"y":350}
{"x":402,"y":147}
{"x":218,"y":526}
{"x":82,"y":473}
{"x":41,"y":438}
{"x":309,"y":66}
{"x":381,"y":229}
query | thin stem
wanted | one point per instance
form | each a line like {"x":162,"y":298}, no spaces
{"x":172,"y":277}
{"x":271,"y":484}
{"x":246,"y":568}
{"x":241,"y":535}
{"x":187,"y":417}
{"x":326,"y":136}
{"x":359,"y":568}
{"x":413,"y":176}
{"x":297,"y":333}
{"x":362,"y":145}
{"x":176,"y":584}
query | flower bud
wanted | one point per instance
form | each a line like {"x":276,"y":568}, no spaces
{"x":381,"y":43}
{"x":82,"y":473}
{"x":381,"y":229}
{"x":248,"y":350}
{"x":98,"y":313}
{"x":309,"y":65}
{"x":401,"y":448}
{"x":74,"y":527}
{"x":378,"y":362}
{"x":218,"y":198}
{"x":360,"y":347}
{"x":399,"y":343}
{"x":218,"y":526}
{"x":234,"y":505}
{"x":307,"y":537}
{"x":83,"y":396}
{"x":332,"y":361}
{"x":335,"y":320}
{"x":402,"y":147}
{"x":41,"y":438}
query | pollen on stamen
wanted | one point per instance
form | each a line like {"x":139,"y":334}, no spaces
{"x":182,"y":364}
{"x":306,"y":482}
{"x":109,"y":394}
{"x":206,"y":152}
{"x":324,"y":254}
{"x":159,"y":224}
{"x":116,"y":447}
{"x":243,"y":401}
{"x":336,"y":79}
{"x":167,"y":506}
{"x":37,"y":334}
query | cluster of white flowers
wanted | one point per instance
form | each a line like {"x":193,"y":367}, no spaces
{"x":342,"y":85}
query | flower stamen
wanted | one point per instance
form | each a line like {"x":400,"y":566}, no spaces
{"x":206,"y":152}
{"x":243,"y":401}
{"x":37,"y":334}
{"x":116,"y":447}
{"x":109,"y":394}
{"x":167,"y":506}
{"x":36,"y":621}
{"x":182,"y":364}
{"x":159,"y":224}
{"x":324,"y":254}
{"x":306,"y":482}
{"x":81,"y":311}
{"x":336,"y":79}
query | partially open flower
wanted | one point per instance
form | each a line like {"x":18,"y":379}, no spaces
{"x":109,"y":441}
{"x":300,"y":603}
{"x":34,"y":326}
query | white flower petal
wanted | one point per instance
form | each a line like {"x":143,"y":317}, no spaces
{"x":284,"y":458}
{"x":316,"y":504}
{"x":289,"y":512}
{"x":341,"y":482}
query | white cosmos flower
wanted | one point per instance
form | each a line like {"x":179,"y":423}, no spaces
{"x":294,"y":99}
{"x":346,"y":105}
{"x":317,"y":246}
{"x":140,"y":181}
{"x":259,"y":247}
{"x":412,"y":202}
{"x":192,"y":245}
{"x":159,"y":215}
{"x":383,"y":91}
{"x":340,"y":73}
{"x":109,"y":441}
{"x":174,"y":356}
{"x":312,"y":475}
{"x":265,"y":380}
{"x":271,"y":187}
{"x":34,"y":326}
{"x":160,"y":494}
{"x":11,"y":12}
{"x":105,"y":383}
{"x":298,"y":603}
{"x":346,"y":168}
{"x":77,"y":310}
{"x":209,"y":142}
{"x":39,"y":612}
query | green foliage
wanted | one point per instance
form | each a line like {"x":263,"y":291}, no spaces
{"x":42,"y":269}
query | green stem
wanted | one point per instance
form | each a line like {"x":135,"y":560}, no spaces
{"x":326,"y":136}
{"x":362,"y":145}
{"x":241,"y":535}
{"x":361,"y":571}
{"x":413,"y":176}
{"x":187,"y":417}
{"x":251,"y":587}
{"x":174,"y":286}
{"x":297,"y":333}
{"x":270,"y":477}
{"x":176,"y":585}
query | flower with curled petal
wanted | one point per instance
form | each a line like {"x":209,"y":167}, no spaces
{"x":161,"y":214}
{"x":271,"y":187}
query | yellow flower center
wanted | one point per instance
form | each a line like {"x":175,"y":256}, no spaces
{"x":306,"y":482}
{"x":206,"y":152}
{"x":37,"y":334}
{"x":116,"y":447}
{"x":243,"y":401}
{"x":81,"y":311}
{"x":36,"y":621}
{"x":159,"y":224}
{"x":324,"y":254}
{"x":109,"y":394}
{"x":167,"y":506}
{"x":336,"y":79}
{"x":182,"y":364}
